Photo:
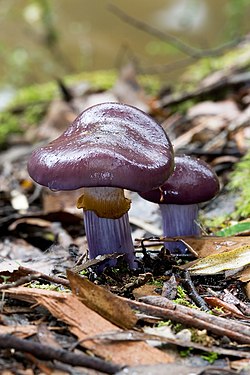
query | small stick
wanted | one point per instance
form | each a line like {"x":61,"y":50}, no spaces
{"x":53,"y":279}
{"x":191,"y":317}
{"x":193,"y":292}
{"x":46,"y":352}
{"x":21,"y":281}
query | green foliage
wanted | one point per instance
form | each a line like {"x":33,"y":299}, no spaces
{"x":181,"y":293}
{"x":156,"y":282}
{"x":36,"y":284}
{"x":182,"y":297}
{"x":239,"y":183}
{"x":210,"y":357}
{"x":163,"y":323}
{"x":185,"y":352}
{"x":235,"y":229}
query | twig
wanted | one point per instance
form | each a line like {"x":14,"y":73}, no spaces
{"x":53,"y":279}
{"x":21,"y":281}
{"x":219,"y":80}
{"x":128,"y":336}
{"x":46,"y":352}
{"x":195,"y":53}
{"x":193,"y":292}
{"x":191,"y":317}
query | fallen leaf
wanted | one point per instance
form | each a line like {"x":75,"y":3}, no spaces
{"x":227,"y":307}
{"x":202,"y":246}
{"x":85,"y":324}
{"x":8,"y":265}
{"x":21,"y":331}
{"x":209,"y":245}
{"x":244,"y":275}
{"x":102,"y":301}
{"x":229,"y":260}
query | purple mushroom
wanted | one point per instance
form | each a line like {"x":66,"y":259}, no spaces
{"x":109,"y":147}
{"x":192,"y":182}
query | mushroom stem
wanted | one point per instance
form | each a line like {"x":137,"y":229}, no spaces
{"x":106,"y":236}
{"x":106,"y":222}
{"x":177,"y":221}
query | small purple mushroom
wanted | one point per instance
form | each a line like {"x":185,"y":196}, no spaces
{"x":109,"y":147}
{"x":192,"y":182}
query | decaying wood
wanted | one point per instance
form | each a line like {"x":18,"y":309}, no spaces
{"x":166,"y":309}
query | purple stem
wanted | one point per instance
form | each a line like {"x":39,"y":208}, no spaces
{"x":107,"y":236}
{"x":177,"y":221}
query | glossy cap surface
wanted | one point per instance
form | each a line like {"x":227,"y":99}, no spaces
{"x":193,"y":181}
{"x":109,"y":144}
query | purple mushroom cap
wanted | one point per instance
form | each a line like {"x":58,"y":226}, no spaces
{"x":193,"y":181}
{"x":109,"y":144}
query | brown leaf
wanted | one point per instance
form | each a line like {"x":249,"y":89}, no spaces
{"x":102,"y":301}
{"x":85,"y":324}
{"x":21,"y":331}
{"x":214,"y":263}
{"x":209,"y":245}
{"x":244,"y":275}
{"x":227,"y":307}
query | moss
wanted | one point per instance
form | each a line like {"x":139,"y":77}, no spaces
{"x":239,"y":57}
{"x":239,"y":183}
{"x":16,"y":123}
{"x":98,"y":80}
{"x":8,"y":124}
{"x":29,"y":104}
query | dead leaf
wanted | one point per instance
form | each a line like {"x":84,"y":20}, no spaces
{"x":226,"y":108}
{"x":244,"y":275}
{"x":58,"y":201}
{"x":215,"y":263}
{"x":209,"y":245}
{"x":227,"y":307}
{"x":21,"y":331}
{"x":8,"y":265}
{"x":102,"y":301}
{"x":85,"y":323}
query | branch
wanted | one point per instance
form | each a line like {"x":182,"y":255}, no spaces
{"x":195,"y":53}
{"x":46,"y":352}
{"x":166,"y":309}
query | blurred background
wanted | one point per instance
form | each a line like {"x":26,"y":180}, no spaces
{"x":44,"y":39}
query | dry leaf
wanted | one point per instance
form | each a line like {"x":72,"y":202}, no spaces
{"x":85,"y":324}
{"x":229,"y":260}
{"x":21,"y":331}
{"x":102,"y":301}
{"x":208,"y":245}
{"x":244,"y":275}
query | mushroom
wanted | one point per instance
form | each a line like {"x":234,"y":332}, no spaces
{"x":108,"y":148}
{"x":192,"y":182}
